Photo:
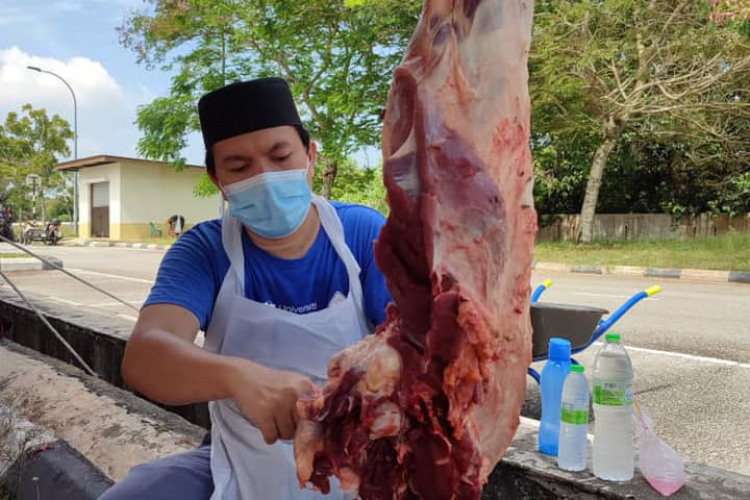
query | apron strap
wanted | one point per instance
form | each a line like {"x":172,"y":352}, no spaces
{"x":335,"y":231}
{"x":231,"y":239}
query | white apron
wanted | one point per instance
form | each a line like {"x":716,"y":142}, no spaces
{"x":243,"y":466}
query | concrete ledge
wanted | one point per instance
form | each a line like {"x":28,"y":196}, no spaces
{"x":526,"y":474}
{"x":28,"y":264}
{"x":114,"y":429}
{"x":99,"y":340}
{"x":35,"y":464}
{"x":523,"y":473}
{"x":54,"y":471}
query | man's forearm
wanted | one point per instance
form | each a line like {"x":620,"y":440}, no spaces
{"x":173,"y":371}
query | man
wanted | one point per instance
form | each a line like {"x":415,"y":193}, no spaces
{"x":280,"y":284}
{"x":176,"y":224}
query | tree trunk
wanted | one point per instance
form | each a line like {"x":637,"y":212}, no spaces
{"x":329,"y":177}
{"x":612,"y":131}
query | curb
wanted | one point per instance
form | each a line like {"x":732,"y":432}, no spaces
{"x":29,"y":264}
{"x":121,"y":244}
{"x":700,"y":275}
{"x":54,"y":471}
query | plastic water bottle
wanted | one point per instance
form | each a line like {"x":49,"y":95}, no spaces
{"x":574,"y":421}
{"x":614,"y":454}
{"x":553,"y":376}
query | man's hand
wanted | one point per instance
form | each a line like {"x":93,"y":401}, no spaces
{"x":268,"y":398}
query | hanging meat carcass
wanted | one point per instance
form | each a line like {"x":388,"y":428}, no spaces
{"x":427,"y":406}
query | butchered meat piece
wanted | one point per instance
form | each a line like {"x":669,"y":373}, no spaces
{"x":426,"y":407}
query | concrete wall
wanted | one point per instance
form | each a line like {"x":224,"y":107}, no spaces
{"x":154,"y":192}
{"x":642,"y":226}
{"x":140,"y":193}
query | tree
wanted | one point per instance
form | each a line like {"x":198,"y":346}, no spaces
{"x":30,"y":143}
{"x":356,"y":185}
{"x":337,"y":56}
{"x":661,"y":66}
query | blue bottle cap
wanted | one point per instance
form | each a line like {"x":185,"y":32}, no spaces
{"x":559,"y":348}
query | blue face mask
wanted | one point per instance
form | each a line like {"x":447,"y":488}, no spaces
{"x":272,"y":204}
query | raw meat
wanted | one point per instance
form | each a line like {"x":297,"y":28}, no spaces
{"x":427,"y":406}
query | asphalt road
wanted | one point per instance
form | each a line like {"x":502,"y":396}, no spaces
{"x":690,"y":345}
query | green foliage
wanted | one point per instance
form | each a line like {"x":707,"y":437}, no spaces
{"x":356,"y":185}
{"x":60,"y":208}
{"x":30,"y":143}
{"x":661,"y":77}
{"x":671,"y":73}
{"x":204,"y":188}
{"x":337,"y":55}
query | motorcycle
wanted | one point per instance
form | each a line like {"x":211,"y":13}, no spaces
{"x":50,"y":235}
{"x":6,"y":227}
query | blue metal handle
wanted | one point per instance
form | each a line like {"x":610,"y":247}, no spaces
{"x":606,"y":324}
{"x":540,"y":290}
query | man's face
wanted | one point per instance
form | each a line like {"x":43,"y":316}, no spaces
{"x":267,"y":150}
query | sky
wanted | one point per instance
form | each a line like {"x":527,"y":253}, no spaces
{"x":77,"y":39}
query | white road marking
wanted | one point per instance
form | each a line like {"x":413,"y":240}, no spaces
{"x":682,"y":355}
{"x":69,"y":302}
{"x":109,"y":304}
{"x":117,"y":276}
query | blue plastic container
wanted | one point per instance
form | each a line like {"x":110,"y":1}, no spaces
{"x":553,"y":377}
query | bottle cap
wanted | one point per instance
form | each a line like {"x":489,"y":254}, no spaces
{"x":612,"y":337}
{"x":559,"y":348}
{"x":576,"y":368}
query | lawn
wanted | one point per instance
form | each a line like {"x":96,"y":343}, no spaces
{"x":14,"y":255}
{"x":725,"y":253}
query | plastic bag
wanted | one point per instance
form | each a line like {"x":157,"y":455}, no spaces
{"x":662,"y":467}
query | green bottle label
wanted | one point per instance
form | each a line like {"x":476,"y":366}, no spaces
{"x":569,"y":415}
{"x":613,"y":393}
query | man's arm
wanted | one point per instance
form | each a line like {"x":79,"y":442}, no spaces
{"x":162,"y":362}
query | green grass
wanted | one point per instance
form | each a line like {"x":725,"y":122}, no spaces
{"x":724,"y":253}
{"x":14,"y":255}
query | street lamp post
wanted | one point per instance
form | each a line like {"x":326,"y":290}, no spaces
{"x":75,"y":141}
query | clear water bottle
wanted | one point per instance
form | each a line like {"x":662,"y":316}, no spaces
{"x":574,"y":421}
{"x":614,"y":454}
{"x":553,"y":376}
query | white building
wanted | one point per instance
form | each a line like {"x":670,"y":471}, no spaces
{"x":126,"y":198}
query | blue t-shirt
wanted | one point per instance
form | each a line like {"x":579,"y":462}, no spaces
{"x":194,"y":268}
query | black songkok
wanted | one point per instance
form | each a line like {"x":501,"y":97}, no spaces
{"x":244,"y":107}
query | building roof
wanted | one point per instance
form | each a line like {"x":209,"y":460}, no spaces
{"x":95,"y":161}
